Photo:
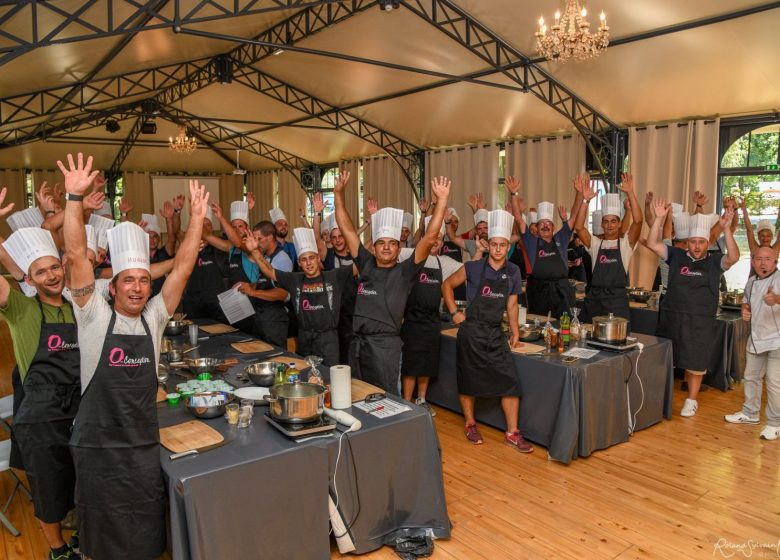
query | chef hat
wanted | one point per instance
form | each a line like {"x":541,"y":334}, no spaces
{"x":304,"y":241}
{"x":480,"y":215}
{"x":239,"y":210}
{"x":387,"y":222}
{"x":101,"y":224}
{"x":26,"y":245}
{"x":332,"y":222}
{"x":276,"y":215}
{"x":610,"y":205}
{"x":595,"y":223}
{"x":210,"y":215}
{"x":500,"y":224}
{"x":408,"y":220}
{"x":533,"y":217}
{"x":428,"y":221}
{"x":682,"y":225}
{"x":700,"y":226}
{"x":454,"y":213}
{"x":129,"y":247}
{"x":29,"y":218}
{"x":151,"y":223}
{"x":92,"y":238}
{"x":766,"y":224}
{"x":105,"y":210}
{"x":546,"y":211}
{"x":677,"y":208}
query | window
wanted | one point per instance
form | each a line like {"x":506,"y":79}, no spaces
{"x":29,"y":189}
{"x":119,"y":193}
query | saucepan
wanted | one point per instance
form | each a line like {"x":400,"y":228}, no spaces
{"x":611,"y":329}
{"x":296,"y":403}
{"x":173,"y":328}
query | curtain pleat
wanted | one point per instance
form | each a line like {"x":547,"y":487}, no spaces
{"x":138,"y":190}
{"x":262,"y":185}
{"x":13,"y":180}
{"x":291,"y":198}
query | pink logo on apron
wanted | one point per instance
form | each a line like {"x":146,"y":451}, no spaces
{"x":544,"y":254}
{"x":55,"y":344}
{"x":425,"y":279}
{"x":604,"y":260}
{"x":117,"y":358}
{"x":307,"y":306}
{"x":685,"y":271}
{"x":361,"y":290}
{"x":488,"y":293}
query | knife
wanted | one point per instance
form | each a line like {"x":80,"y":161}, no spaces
{"x":198,"y":451}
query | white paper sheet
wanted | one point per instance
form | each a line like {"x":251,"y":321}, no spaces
{"x":383,"y":408}
{"x":235,"y":305}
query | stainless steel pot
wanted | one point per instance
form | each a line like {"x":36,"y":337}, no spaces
{"x":296,"y":403}
{"x":611,"y":329}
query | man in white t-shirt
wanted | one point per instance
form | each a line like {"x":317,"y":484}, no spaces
{"x":762,"y":308}
{"x":120,"y":494}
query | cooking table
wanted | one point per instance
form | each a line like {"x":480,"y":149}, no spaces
{"x":263,"y":495}
{"x":574,"y":409}
{"x":728,"y":361}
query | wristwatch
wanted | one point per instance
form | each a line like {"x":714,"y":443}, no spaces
{"x":514,"y":193}
{"x":177,"y":210}
{"x":124,"y":214}
{"x":74,"y":197}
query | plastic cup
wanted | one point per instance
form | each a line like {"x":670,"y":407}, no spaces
{"x":193,"y":332}
{"x":231,"y":412}
{"x":204,"y":376}
{"x":173,"y":399}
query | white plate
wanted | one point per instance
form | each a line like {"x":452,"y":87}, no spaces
{"x":254,"y":393}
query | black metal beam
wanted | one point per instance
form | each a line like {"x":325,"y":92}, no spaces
{"x":113,"y":172}
{"x":95,"y":19}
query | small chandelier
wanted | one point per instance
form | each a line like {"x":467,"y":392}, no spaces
{"x":182,"y":144}
{"x":570,"y":36}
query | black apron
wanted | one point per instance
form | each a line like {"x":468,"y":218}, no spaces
{"x":120,"y":496}
{"x":236,"y":274}
{"x":420,"y":332}
{"x":347,"y":308}
{"x":688,"y":312}
{"x":15,"y":460}
{"x":484,"y":361}
{"x":449,"y":249}
{"x":52,"y":391}
{"x":317,"y":323}
{"x":607,"y":291}
{"x":548,"y":288}
{"x":204,"y":285}
{"x":271,"y":319}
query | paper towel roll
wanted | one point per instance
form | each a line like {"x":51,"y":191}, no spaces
{"x":340,"y":387}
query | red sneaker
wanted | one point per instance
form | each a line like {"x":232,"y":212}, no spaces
{"x":473,"y":435}
{"x":516,"y":440}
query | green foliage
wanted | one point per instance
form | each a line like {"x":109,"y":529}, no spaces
{"x":752,"y":151}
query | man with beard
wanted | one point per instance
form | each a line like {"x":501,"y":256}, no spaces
{"x":120,"y":494}
{"x":46,"y":349}
{"x":384,"y":285}
{"x":279,"y":220}
{"x":477,"y":247}
{"x":762,"y":308}
{"x":687,"y":312}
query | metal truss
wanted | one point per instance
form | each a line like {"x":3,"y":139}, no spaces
{"x":50,"y":24}
{"x":597,"y":130}
{"x":113,"y":173}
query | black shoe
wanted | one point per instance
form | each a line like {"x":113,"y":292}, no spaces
{"x":68,"y":554}
{"x":73,"y":542}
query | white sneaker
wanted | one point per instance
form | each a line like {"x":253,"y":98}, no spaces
{"x":740,"y":418}
{"x":421,"y":402}
{"x":770,"y":432}
{"x":689,"y":408}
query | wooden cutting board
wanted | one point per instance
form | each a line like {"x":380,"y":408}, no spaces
{"x":637,"y":304}
{"x":453,"y":332}
{"x":162,"y":396}
{"x":252,"y":347}
{"x":361,"y":389}
{"x":218,"y":328}
{"x":190,"y":435}
{"x":527,"y":348}
{"x":299,"y":363}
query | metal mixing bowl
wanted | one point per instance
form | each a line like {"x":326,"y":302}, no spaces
{"x":202,"y":365}
{"x":173,"y":328}
{"x":209,"y":411}
{"x":263,"y":374}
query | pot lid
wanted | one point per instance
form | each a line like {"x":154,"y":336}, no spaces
{"x":608,"y":319}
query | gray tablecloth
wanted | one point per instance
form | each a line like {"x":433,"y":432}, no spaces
{"x":262,"y":494}
{"x":728,"y":362}
{"x":579,"y":408}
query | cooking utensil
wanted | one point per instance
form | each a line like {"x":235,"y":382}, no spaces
{"x":262,"y":374}
{"x":640,"y":295}
{"x":610,"y":329}
{"x":210,"y":411}
{"x":190,"y":349}
{"x":296,"y":403}
{"x":174,"y":355}
{"x":201,"y":365}
{"x":529,"y":332}
{"x":733,"y":297}
{"x":173,"y":328}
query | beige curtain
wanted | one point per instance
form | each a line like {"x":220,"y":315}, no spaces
{"x":231,"y":187}
{"x":352,"y":190}
{"x":51,"y":178}
{"x":13,"y":180}
{"x":291,"y":198}
{"x":471,"y":169}
{"x":384,"y":180}
{"x":138,"y":190}
{"x":546,"y":168}
{"x":262,"y":185}
{"x":672,"y":161}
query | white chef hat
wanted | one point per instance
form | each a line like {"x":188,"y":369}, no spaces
{"x":480,"y":215}
{"x":276,"y":215}
{"x":26,"y":245}
{"x":454,"y":213}
{"x":700,"y":226}
{"x":210,"y":215}
{"x":387,"y":222}
{"x":408,"y":220}
{"x":546,"y":211}
{"x":428,"y":221}
{"x":304,"y":241}
{"x":151,"y":223}
{"x":610,"y":205}
{"x":332,"y":222}
{"x":101,"y":225}
{"x":533,"y":217}
{"x":129,"y":247}
{"x":500,"y":224}
{"x":677,"y":208}
{"x":766,"y":224}
{"x":92,"y":238}
{"x":29,"y":218}
{"x":682,"y":225}
{"x":105,"y":210}
{"x":595,"y":223}
{"x":239,"y":210}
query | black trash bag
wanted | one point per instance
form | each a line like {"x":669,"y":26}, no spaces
{"x":412,"y":547}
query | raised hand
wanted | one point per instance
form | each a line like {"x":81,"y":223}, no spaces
{"x":699,"y":199}
{"x":57,"y":194}
{"x":143,"y":224}
{"x":342,"y":181}
{"x":250,"y":243}
{"x":5,"y":210}
{"x":199,"y":200}
{"x":563,"y":213}
{"x":424,"y":205}
{"x":627,"y":183}
{"x":250,"y":199}
{"x":649,"y":197}
{"x":178,"y":202}
{"x":217,"y":210}
{"x":98,"y":183}
{"x":124,"y":205}
{"x":94,"y":200}
{"x":167,"y":210}
{"x":372,"y":206}
{"x":589,"y":190}
{"x":661,"y":208}
{"x":440,"y":186}
{"x":481,"y":204}
{"x":725,"y":219}
{"x":581,"y":182}
{"x":78,"y":176}
{"x":317,"y":203}
{"x":472,"y":202}
{"x":512,"y":184}
{"x":45,"y":199}
{"x":770,"y":298}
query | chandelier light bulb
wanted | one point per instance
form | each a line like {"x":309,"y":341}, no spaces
{"x":603,"y":16}
{"x":541,"y":21}
{"x":557,"y":16}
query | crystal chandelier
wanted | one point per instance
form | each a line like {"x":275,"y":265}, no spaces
{"x":182,"y":144}
{"x":570,"y":36}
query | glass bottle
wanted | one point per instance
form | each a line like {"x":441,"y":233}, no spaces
{"x":565,"y":330}
{"x":292,"y":373}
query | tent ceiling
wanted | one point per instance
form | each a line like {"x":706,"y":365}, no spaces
{"x":723,"y":68}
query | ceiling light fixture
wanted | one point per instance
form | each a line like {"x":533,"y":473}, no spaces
{"x":112,"y":126}
{"x":183,"y":143}
{"x":570,"y":36}
{"x":389,"y":5}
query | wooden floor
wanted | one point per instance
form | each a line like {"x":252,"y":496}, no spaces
{"x":674,"y":491}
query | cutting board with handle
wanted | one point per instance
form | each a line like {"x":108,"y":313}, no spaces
{"x":190,"y":435}
{"x":217,"y":328}
{"x":527,"y":348}
{"x":252,"y":347}
{"x":361,"y":389}
{"x":453,"y":332}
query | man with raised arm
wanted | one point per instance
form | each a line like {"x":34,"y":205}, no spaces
{"x":384,"y":285}
{"x":120,"y":495}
